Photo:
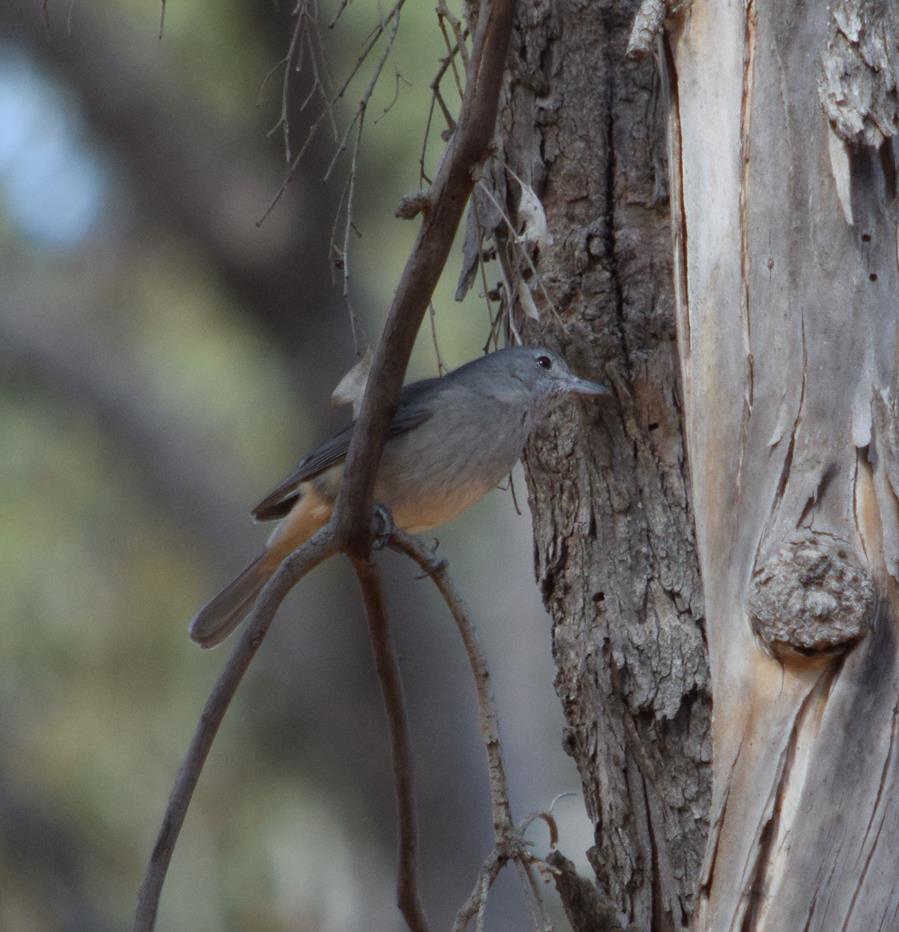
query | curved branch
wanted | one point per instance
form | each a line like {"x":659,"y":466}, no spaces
{"x":315,"y":551}
{"x":509,"y":844}
{"x":388,"y":669}
{"x":487,"y":717}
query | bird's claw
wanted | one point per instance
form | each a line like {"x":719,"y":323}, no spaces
{"x":382,"y":527}
{"x":438,"y":565}
{"x":435,"y":565}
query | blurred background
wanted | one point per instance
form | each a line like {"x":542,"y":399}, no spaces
{"x":164,"y":361}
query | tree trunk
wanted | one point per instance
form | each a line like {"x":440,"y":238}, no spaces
{"x":785,"y":226}
{"x":608,"y":486}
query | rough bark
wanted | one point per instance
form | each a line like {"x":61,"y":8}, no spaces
{"x":787,"y":283}
{"x":608,"y":487}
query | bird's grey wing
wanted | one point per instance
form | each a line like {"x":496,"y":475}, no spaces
{"x":280,"y":500}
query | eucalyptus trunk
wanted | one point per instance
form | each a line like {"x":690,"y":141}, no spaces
{"x":784,"y":195}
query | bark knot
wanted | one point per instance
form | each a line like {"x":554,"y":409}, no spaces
{"x":812,"y":598}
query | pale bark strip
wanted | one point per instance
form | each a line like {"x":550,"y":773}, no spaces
{"x":788,"y":335}
{"x":585,"y":129}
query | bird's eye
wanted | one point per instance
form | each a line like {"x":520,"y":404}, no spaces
{"x":544,"y":362}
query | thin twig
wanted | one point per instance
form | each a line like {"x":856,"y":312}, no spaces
{"x":306,"y":11}
{"x":388,"y":671}
{"x":447,"y":116}
{"x":343,"y":5}
{"x":423,"y":176}
{"x":459,"y":31}
{"x":517,"y":241}
{"x":325,"y":79}
{"x":533,"y":898}
{"x":448,"y":62}
{"x":328,"y":108}
{"x":311,"y":554}
{"x":495,"y":327}
{"x":452,"y":50}
{"x":432,"y":314}
{"x":483,"y":889}
{"x":286,"y":62}
{"x":347,"y":227}
{"x":340,"y":260}
{"x":476,"y":904}
{"x":365,"y":100}
{"x":396,"y":96}
{"x":511,"y":848}
{"x":306,"y":34}
{"x":482,"y":263}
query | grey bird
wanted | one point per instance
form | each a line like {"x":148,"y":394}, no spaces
{"x":452,"y":440}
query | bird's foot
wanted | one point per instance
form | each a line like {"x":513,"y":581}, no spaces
{"x":436,"y":564}
{"x":382,"y":527}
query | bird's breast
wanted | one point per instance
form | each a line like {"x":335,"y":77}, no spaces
{"x":434,"y":507}
{"x":433,"y":473}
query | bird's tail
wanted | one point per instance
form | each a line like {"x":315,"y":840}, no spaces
{"x":222,"y":614}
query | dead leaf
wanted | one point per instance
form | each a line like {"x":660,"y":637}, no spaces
{"x":530,"y":210}
{"x":352,"y":386}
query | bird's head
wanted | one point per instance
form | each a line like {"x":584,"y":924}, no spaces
{"x":548,"y":376}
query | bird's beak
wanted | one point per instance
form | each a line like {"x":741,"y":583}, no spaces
{"x":583,"y":387}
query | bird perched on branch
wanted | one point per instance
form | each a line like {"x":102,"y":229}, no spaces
{"x":452,"y":440}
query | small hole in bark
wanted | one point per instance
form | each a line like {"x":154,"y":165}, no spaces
{"x":653,"y":426}
{"x":866,"y":237}
{"x":841,"y":554}
{"x":599,"y":597}
{"x":872,"y":277}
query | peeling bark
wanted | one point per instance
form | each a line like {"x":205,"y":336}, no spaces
{"x":860,"y":67}
{"x":786,"y":254}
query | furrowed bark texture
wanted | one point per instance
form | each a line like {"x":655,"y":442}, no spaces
{"x":608,"y":484}
{"x":786,"y":247}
